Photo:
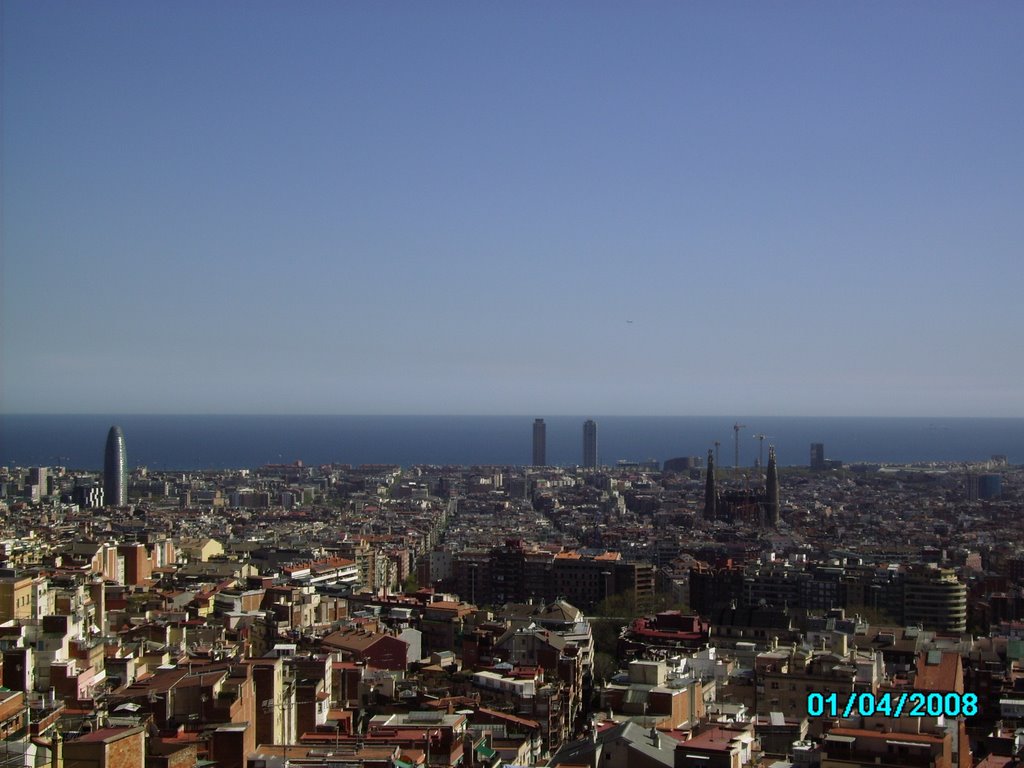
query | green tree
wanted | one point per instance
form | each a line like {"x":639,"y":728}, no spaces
{"x":605,"y":665}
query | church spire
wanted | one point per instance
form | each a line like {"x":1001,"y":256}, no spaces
{"x":710,"y":492}
{"x":772,"y":488}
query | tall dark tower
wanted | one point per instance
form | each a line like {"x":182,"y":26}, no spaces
{"x":540,"y":443}
{"x":590,"y":443}
{"x":115,"y":470}
{"x":710,"y":492}
{"x":817,"y":455}
{"x":772,"y":488}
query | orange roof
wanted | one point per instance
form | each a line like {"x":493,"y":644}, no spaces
{"x":941,"y":676}
{"x":997,"y":761}
{"x":922,"y":738}
{"x":109,"y":734}
{"x":712,"y":739}
{"x":444,"y":604}
{"x":533,"y":724}
{"x":345,"y":665}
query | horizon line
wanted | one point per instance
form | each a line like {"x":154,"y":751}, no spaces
{"x":533,"y":415}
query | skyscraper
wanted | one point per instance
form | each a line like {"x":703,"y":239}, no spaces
{"x":590,"y":443}
{"x":540,"y":443}
{"x":115,"y":470}
{"x":817,"y":455}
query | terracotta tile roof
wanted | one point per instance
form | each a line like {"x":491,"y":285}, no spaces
{"x":922,"y":738}
{"x":495,"y":714}
{"x":712,"y":739}
{"x":938,"y":671}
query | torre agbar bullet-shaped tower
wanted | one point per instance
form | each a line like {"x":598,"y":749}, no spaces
{"x":115,"y":470}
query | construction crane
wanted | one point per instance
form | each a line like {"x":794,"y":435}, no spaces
{"x":736,"y":429}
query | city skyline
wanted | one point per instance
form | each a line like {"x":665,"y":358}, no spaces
{"x":197,"y":442}
{"x":794,"y":211}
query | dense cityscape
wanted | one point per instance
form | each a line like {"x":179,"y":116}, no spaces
{"x":511,"y":384}
{"x":685,"y":612}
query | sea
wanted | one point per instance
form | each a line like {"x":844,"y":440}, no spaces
{"x":194,"y":442}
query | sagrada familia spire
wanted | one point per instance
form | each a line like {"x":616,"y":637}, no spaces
{"x":710,"y":492}
{"x":753,"y":506}
{"x":771,"y":487}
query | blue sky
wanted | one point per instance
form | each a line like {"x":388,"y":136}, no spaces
{"x":513,"y":208}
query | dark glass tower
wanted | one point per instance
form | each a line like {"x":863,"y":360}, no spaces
{"x":115,"y":470}
{"x":540,"y":443}
{"x":590,"y":443}
{"x":817,"y":455}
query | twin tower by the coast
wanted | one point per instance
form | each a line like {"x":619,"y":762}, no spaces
{"x":540,"y":443}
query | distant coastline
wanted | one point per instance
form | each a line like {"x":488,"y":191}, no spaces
{"x":192,"y":442}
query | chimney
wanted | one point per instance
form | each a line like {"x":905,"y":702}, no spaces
{"x":839,"y":647}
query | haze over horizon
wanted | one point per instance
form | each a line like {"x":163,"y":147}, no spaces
{"x":793,"y":210}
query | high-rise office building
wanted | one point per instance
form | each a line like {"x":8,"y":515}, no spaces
{"x":115,"y":469}
{"x":38,"y":481}
{"x":540,"y":443}
{"x":990,"y":486}
{"x":590,"y":443}
{"x":972,"y":487}
{"x":817,"y":455}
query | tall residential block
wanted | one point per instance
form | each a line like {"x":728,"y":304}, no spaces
{"x":590,"y":443}
{"x":817,"y":455}
{"x":935,"y":598}
{"x":540,"y":443}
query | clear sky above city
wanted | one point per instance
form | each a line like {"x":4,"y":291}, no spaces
{"x":513,"y":208}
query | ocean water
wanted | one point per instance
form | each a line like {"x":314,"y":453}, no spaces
{"x":164,"y":442}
